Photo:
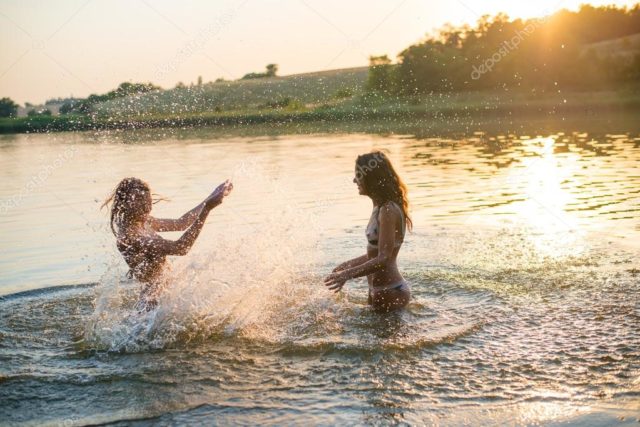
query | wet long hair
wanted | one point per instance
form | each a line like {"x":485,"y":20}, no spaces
{"x":131,"y":202}
{"x":382,"y":183}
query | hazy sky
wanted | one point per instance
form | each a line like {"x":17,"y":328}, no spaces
{"x":77,"y":47}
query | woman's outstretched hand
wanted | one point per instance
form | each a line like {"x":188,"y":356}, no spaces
{"x":335,"y":281}
{"x":219,"y":194}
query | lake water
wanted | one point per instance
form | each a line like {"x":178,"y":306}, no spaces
{"x":523,"y":264}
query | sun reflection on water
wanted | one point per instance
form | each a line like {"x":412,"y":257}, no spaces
{"x":553,"y":230}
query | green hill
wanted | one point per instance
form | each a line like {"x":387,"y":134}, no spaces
{"x":298,"y":90}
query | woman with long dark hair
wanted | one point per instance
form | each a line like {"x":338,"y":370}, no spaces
{"x":377,"y":179}
{"x":136,"y":232}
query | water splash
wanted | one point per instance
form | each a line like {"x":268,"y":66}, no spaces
{"x":250,"y":277}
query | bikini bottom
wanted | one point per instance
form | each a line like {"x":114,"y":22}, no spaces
{"x":399,"y":285}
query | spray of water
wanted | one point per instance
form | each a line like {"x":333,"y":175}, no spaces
{"x":250,"y":277}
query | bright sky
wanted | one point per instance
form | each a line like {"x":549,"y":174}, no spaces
{"x":78,"y":47}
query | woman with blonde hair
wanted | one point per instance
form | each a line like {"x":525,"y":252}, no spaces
{"x":136,"y":232}
{"x":377,"y":179}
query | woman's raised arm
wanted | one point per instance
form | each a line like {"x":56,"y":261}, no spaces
{"x":164,"y":247}
{"x":182,"y":223}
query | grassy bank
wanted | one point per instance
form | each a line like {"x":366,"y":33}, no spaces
{"x":439,"y":106}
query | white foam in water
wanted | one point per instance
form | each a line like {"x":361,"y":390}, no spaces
{"x":252,"y":279}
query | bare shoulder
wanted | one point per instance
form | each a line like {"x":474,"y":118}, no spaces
{"x":391,"y":212}
{"x":391,"y":209}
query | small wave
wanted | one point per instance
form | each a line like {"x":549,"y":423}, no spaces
{"x":50,"y":290}
{"x":413,"y":340}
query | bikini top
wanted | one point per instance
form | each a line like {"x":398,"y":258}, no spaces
{"x":373,"y":228}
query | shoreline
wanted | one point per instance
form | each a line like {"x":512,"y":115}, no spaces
{"x":481,"y":106}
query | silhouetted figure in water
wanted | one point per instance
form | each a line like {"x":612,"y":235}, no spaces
{"x":376,"y":178}
{"x":136,"y":232}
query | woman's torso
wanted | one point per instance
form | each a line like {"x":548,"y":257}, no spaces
{"x":145,"y":265}
{"x":390,"y":275}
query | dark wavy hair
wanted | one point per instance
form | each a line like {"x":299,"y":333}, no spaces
{"x":131,"y":200}
{"x":381,"y":181}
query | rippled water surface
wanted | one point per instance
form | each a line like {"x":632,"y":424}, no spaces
{"x":523,"y":265}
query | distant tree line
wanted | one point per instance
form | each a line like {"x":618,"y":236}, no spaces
{"x":8,"y":108}
{"x":85,"y":106}
{"x":55,"y":101}
{"x":271,"y":70}
{"x":561,"y":50}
